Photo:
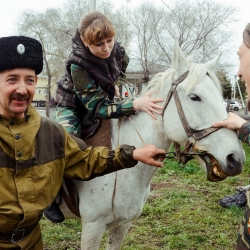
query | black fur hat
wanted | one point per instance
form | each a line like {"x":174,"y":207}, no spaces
{"x":21,"y":52}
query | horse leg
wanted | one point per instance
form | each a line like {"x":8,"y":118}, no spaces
{"x":92,"y":234}
{"x":116,"y":236}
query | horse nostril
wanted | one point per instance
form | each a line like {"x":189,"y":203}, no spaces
{"x":234,"y":166}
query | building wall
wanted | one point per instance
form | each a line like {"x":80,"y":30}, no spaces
{"x":41,"y":93}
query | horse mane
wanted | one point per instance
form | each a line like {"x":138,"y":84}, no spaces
{"x":196,"y":73}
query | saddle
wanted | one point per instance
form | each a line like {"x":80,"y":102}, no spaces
{"x":97,"y":135}
{"x":102,"y":136}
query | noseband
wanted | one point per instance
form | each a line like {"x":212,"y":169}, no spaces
{"x":193,"y":135}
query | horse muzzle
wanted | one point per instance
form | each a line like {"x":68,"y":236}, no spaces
{"x":214,"y":170}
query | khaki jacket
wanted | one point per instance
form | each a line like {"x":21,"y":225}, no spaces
{"x":35,"y":154}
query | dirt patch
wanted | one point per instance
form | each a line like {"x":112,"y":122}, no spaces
{"x":162,"y":185}
{"x":170,"y":185}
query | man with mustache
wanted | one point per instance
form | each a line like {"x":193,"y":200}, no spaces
{"x":237,"y":123}
{"x":36,"y":153}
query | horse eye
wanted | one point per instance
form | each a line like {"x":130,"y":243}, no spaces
{"x":194,"y":97}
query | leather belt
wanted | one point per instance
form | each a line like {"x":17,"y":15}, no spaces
{"x":19,"y":234}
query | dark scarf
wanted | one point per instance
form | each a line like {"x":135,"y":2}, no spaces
{"x":104,"y":71}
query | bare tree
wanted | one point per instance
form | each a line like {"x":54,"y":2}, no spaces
{"x":148,"y":32}
{"x":201,"y":26}
{"x":120,"y":18}
{"x":54,"y":28}
{"x":46,"y":28}
{"x":145,"y":20}
{"x":73,"y":11}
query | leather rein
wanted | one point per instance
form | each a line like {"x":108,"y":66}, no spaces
{"x":193,"y":135}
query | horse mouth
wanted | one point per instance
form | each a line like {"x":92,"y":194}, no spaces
{"x":214,"y":170}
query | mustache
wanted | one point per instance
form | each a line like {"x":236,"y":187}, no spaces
{"x":19,"y":96}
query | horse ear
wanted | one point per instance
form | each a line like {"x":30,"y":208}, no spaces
{"x":213,"y":63}
{"x":179,"y":62}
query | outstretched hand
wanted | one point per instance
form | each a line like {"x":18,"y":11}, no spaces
{"x":233,"y":122}
{"x":150,"y":155}
{"x":148,"y":105}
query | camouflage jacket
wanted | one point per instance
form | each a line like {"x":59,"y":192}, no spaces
{"x":90,"y":81}
{"x":243,"y":241}
{"x":244,"y":133}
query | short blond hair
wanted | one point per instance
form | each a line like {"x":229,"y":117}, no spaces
{"x":246,"y":35}
{"x":95,"y":27}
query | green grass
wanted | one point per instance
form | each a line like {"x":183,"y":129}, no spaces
{"x":182,"y":213}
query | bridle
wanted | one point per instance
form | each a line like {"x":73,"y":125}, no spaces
{"x":193,"y":135}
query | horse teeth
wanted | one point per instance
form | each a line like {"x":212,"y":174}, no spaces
{"x":216,"y":172}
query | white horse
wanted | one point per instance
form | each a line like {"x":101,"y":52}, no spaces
{"x":113,"y":201}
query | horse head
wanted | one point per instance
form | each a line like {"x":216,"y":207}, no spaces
{"x":193,"y":101}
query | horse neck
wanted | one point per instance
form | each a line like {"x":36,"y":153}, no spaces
{"x":149,"y":130}
{"x":145,"y":173}
{"x":142,"y":129}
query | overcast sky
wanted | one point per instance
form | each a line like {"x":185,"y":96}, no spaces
{"x":10,"y":10}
